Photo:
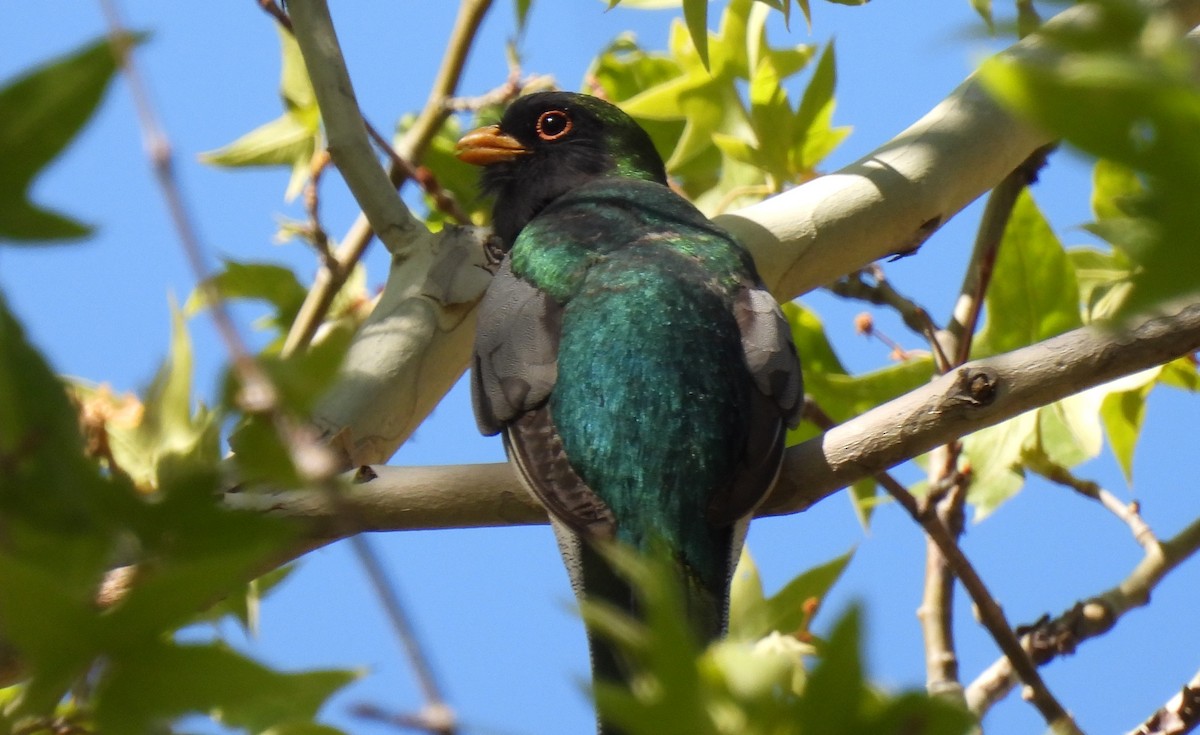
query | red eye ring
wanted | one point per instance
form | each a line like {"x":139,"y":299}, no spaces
{"x":554,"y":124}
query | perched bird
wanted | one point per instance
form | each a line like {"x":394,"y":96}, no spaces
{"x":641,"y":374}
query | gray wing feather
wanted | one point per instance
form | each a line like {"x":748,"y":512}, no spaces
{"x":516,"y":349}
{"x":770,"y":353}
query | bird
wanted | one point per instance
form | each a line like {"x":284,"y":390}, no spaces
{"x":642,"y":376}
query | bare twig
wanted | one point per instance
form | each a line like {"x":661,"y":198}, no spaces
{"x":257,"y":392}
{"x":348,"y":144}
{"x":992,"y":225}
{"x":436,"y":715}
{"x":330,"y":279}
{"x":1180,"y":715}
{"x":881,"y":292}
{"x":990,"y":613}
{"x":312,"y":206}
{"x":1049,"y":638}
{"x":1127,"y":513}
{"x":946,"y":498}
{"x":947,"y":485}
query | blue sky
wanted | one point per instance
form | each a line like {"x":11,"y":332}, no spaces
{"x":493,"y":606}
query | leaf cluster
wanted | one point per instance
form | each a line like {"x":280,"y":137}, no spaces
{"x":1121,"y":86}
{"x":111,"y":535}
{"x":756,"y":680}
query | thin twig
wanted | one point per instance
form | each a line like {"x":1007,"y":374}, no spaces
{"x":947,"y":485}
{"x":990,"y":613}
{"x":992,"y":225}
{"x":947,"y":496}
{"x":881,"y":292}
{"x":437,"y":716}
{"x":312,"y":206}
{"x":257,"y":394}
{"x":1127,"y":513}
{"x":1049,"y":638}
{"x":1180,"y":715}
{"x":329,"y":280}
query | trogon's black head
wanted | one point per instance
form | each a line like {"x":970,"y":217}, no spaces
{"x":549,"y":143}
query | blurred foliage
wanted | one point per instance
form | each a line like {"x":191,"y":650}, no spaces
{"x":1039,"y":290}
{"x":1121,"y":86}
{"x":91,"y":481}
{"x":756,"y":680}
{"x":138,"y":495}
{"x":44,"y":109}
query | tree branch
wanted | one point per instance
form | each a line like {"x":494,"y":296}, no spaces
{"x":344,"y":128}
{"x":1047,"y":639}
{"x":334,"y":271}
{"x":1178,"y":716}
{"x":977,"y":395}
{"x":888,"y":202}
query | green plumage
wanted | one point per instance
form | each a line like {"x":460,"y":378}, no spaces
{"x":640,"y":373}
{"x":652,"y":385}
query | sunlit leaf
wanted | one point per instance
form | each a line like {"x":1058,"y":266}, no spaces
{"x":1118,"y":88}
{"x":995,"y":457}
{"x":789,"y":610}
{"x":163,"y":681}
{"x":1033,"y":293}
{"x":1123,"y":414}
{"x":44,"y":109}
{"x":290,"y":139}
{"x":274,"y":284}
{"x":984,"y":8}
{"x":170,"y":424}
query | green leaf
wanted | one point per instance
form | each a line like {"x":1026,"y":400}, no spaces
{"x":787,"y":611}
{"x":1033,"y":293}
{"x":816,"y":105}
{"x":1182,"y":373}
{"x":161,"y":681}
{"x":864,"y":497}
{"x":835,"y":689}
{"x":1069,"y":430}
{"x":1122,"y":413}
{"x":44,"y":110}
{"x":290,"y":139}
{"x":521,"y":8}
{"x":53,"y":500}
{"x":1103,"y":279}
{"x":1120,"y":89}
{"x":984,"y":8}
{"x":169,"y":430}
{"x":995,"y":459}
{"x":695,"y":14}
{"x":840,"y":395}
{"x":274,"y":284}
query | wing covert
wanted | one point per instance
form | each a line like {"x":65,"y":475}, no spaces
{"x":515,"y":363}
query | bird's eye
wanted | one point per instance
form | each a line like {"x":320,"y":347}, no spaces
{"x":553,"y":125}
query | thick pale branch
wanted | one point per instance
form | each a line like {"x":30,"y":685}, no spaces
{"x":345,"y":130}
{"x":976,"y":395}
{"x":888,"y":202}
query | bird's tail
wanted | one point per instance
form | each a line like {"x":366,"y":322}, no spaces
{"x":596,"y":578}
